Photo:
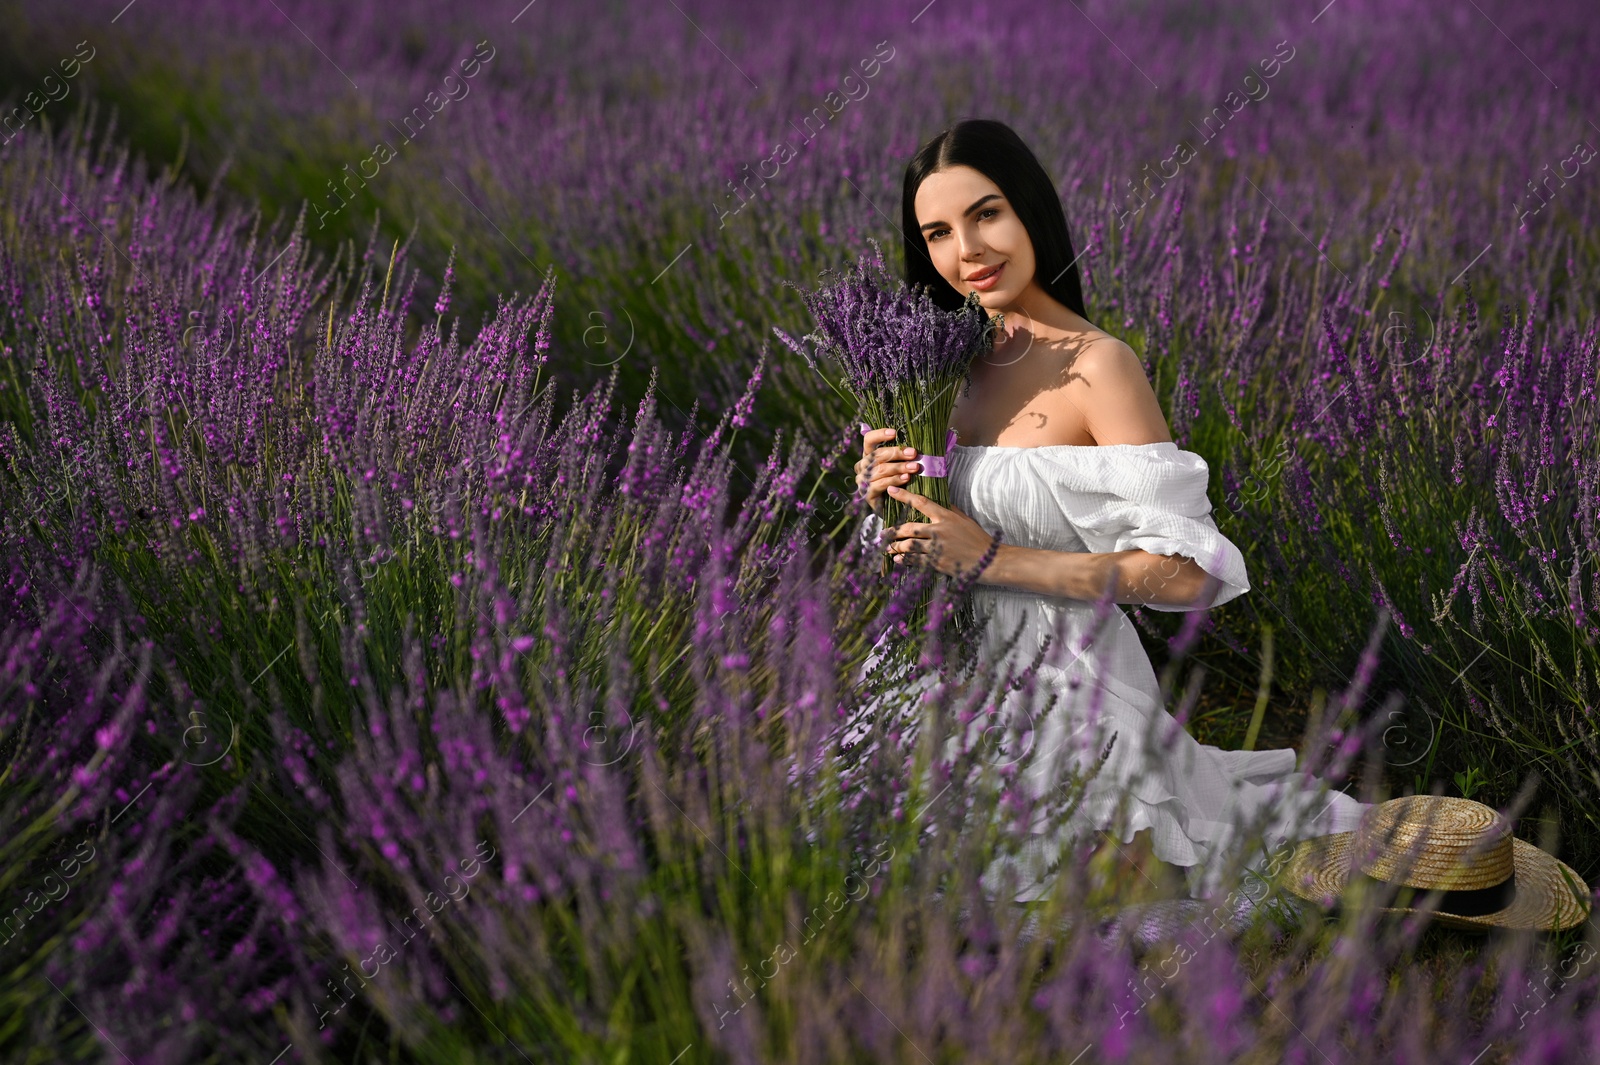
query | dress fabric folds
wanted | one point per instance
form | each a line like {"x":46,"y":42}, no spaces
{"x":1194,"y":798}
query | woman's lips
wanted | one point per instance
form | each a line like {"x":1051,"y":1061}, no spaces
{"x":986,"y":283}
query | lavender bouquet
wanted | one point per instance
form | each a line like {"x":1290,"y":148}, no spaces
{"x":903,"y":359}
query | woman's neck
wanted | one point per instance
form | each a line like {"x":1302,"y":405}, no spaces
{"x":1040,"y":316}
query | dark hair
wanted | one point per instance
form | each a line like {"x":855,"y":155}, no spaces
{"x":994,"y":150}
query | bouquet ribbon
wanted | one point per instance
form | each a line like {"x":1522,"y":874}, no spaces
{"x":932,"y":465}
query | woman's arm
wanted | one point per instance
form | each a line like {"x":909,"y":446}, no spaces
{"x":1108,"y":387}
{"x":1133,"y":576}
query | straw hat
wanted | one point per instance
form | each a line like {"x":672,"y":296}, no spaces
{"x":1457,"y":851}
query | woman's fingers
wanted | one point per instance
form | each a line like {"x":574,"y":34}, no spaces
{"x":871,"y":443}
{"x":892,"y":454}
{"x":895,"y":473}
{"x":877,"y":447}
{"x":884,"y":464}
{"x":874,"y":438}
{"x":913,"y":542}
{"x":912,"y":536}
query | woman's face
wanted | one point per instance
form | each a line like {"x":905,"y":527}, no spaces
{"x":971,"y":230}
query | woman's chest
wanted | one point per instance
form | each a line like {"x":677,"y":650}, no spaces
{"x":1018,"y":490}
{"x":1018,"y":406}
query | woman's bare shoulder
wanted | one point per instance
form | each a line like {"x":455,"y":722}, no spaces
{"x":1097,"y":354}
{"x":1107,"y":383}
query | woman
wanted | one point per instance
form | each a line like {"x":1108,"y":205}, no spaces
{"x":1063,"y":446}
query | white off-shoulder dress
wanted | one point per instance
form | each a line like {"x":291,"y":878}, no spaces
{"x":1194,"y":798}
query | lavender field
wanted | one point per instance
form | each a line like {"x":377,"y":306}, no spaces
{"x":430,"y":594}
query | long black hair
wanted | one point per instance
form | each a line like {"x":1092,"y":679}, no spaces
{"x":994,"y":150}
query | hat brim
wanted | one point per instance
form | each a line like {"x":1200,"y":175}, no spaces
{"x":1319,"y":870}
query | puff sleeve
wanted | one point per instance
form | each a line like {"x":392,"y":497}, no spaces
{"x":1150,"y":497}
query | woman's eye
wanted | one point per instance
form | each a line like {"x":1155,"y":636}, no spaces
{"x":937,"y":233}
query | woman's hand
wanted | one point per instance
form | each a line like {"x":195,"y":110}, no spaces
{"x":949,"y":541}
{"x":882,"y":466}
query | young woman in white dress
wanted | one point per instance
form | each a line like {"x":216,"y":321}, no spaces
{"x":1063,"y":445}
